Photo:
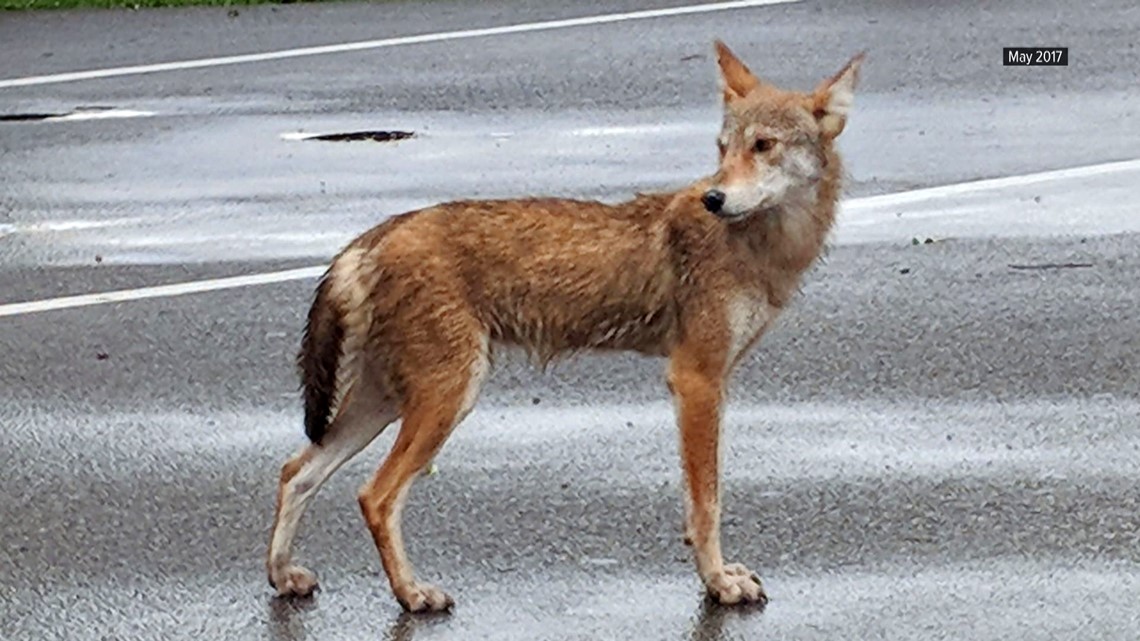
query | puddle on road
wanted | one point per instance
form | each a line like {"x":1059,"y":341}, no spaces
{"x":1003,"y":599}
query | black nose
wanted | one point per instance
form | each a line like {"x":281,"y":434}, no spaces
{"x":713,"y":200}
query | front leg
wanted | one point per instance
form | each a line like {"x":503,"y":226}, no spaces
{"x":698,"y":392}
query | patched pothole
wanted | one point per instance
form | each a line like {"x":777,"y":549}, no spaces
{"x":26,"y":117}
{"x":355,"y":136}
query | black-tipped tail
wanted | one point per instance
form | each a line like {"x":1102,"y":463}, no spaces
{"x":319,"y":359}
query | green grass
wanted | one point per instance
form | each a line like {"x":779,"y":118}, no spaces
{"x":16,"y":5}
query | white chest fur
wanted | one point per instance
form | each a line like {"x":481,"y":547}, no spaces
{"x":748,"y":316}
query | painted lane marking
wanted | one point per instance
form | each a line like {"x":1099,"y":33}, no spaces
{"x":900,"y":198}
{"x":444,"y":36}
{"x":161,"y":291}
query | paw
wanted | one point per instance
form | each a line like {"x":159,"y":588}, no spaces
{"x":736,"y":584}
{"x":421,"y":597}
{"x":293,"y":581}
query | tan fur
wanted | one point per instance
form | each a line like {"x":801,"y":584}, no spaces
{"x":418,"y":302}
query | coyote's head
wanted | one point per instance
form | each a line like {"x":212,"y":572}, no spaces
{"x":774,"y":144}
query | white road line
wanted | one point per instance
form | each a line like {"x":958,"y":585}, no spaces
{"x":958,"y":189}
{"x":634,"y":130}
{"x":900,"y":198}
{"x":390,"y":42}
{"x":102,"y":114}
{"x":56,"y":226}
{"x":161,"y":291}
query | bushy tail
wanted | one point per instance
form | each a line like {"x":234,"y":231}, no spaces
{"x":319,"y":359}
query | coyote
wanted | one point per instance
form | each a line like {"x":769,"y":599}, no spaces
{"x":405,"y":317}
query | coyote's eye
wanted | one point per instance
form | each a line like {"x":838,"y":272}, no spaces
{"x":762,"y":145}
{"x":721,"y":146}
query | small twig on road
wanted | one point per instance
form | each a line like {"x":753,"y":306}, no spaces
{"x":1052,"y":266}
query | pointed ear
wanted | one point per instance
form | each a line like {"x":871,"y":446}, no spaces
{"x":832,"y":99}
{"x":735,"y":78}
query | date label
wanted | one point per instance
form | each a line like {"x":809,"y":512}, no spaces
{"x":1035,"y":56}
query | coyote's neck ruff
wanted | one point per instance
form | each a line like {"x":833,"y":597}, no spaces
{"x":405,"y":317}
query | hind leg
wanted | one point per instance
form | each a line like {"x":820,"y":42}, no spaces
{"x":434,"y":406}
{"x":363,"y":415}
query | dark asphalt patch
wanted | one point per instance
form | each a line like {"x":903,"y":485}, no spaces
{"x":357,"y":136}
{"x":26,"y":117}
{"x":1052,"y":266}
{"x":38,"y":116}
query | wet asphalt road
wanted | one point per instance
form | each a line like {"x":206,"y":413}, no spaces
{"x":930,"y":445}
